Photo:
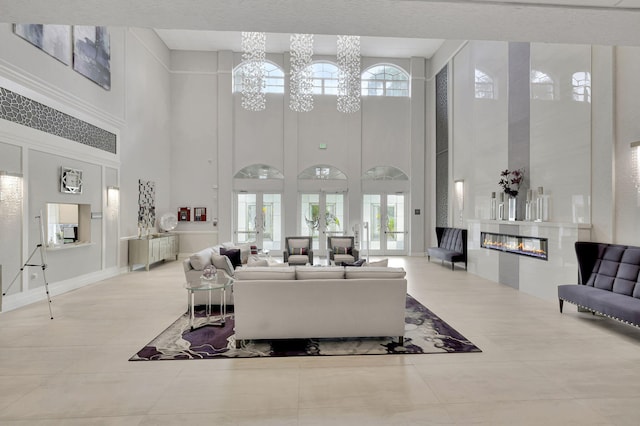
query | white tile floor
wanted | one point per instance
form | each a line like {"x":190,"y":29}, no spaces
{"x":537,"y":367}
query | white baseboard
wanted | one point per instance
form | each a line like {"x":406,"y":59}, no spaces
{"x":15,"y":301}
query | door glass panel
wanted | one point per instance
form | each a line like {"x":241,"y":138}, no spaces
{"x":395,"y":222}
{"x":271,"y":221}
{"x":371,"y":213}
{"x":334,"y":217}
{"x":310,"y":220}
{"x":246,"y":218}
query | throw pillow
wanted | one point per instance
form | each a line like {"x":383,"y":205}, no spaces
{"x":223,"y":263}
{"x":233,"y":255}
{"x":342,"y":250}
{"x":381,"y":263}
{"x":256,"y":261}
{"x":298,"y":251}
{"x":201,"y":259}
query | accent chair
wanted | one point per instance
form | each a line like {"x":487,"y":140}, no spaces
{"x":342,"y":249}
{"x":298,"y":250}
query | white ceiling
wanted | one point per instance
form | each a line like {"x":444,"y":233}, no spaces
{"x":387,"y":47}
{"x":390,"y":28}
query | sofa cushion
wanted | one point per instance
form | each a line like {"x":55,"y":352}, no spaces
{"x":233,"y":255}
{"x":201,"y":259}
{"x":340,"y":259}
{"x":222,"y":262}
{"x":265,"y":273}
{"x":298,"y":243}
{"x":319,"y":272}
{"x":298,"y":259}
{"x":298,"y":251}
{"x":373,"y":272}
{"x":341,"y":243}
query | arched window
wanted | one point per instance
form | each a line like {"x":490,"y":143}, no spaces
{"x":322,"y":171}
{"x":259,"y":171}
{"x":485,"y":88}
{"x":581,"y":82}
{"x":273,"y":82}
{"x":385,"y":80}
{"x":385,"y":173}
{"x":325,"y":78}
{"x":542,"y":86}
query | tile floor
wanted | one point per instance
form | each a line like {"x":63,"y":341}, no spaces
{"x":537,"y":367}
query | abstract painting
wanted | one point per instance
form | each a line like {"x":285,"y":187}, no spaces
{"x":92,"y":54}
{"x":52,"y":39}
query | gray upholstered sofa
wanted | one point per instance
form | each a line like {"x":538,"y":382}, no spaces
{"x":452,"y":246}
{"x":609,"y":281}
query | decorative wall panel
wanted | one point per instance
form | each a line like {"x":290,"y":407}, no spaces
{"x":27,"y":112}
{"x":442,"y":149}
{"x":146,"y":205}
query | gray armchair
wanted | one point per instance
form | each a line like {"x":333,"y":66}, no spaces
{"x":342,"y":249}
{"x":298,"y":250}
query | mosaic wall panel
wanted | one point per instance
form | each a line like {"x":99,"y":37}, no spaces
{"x":27,"y":112}
{"x":146,"y":205}
{"x":442,"y":149}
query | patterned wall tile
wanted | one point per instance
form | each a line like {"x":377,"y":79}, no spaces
{"x":27,"y":112}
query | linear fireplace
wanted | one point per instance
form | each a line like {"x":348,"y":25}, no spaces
{"x":517,"y":244}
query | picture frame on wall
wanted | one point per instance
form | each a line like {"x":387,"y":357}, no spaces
{"x":92,"y":54}
{"x":54,"y":40}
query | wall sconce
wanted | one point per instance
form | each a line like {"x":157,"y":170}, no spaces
{"x":458,"y":189}
{"x":11,"y":188}
{"x":113,"y":196}
{"x":635,"y":163}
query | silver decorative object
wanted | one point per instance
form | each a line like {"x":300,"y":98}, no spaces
{"x":349,"y":86}
{"x":301,"y":81}
{"x":253,"y":77}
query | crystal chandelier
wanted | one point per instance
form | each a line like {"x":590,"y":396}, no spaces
{"x":349,"y":76}
{"x":301,"y":81}
{"x":253,"y":55}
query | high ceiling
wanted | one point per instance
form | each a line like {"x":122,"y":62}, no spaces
{"x":398,"y":28}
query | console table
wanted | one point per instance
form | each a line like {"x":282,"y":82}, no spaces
{"x":152,"y":249}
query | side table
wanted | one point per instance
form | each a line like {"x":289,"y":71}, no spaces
{"x":220,"y":282}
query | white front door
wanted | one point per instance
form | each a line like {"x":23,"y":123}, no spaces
{"x":259,"y":220}
{"x":386,"y":219}
{"x":317,"y":225}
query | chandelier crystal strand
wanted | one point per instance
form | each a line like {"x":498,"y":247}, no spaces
{"x":301,"y":80}
{"x":253,"y":56}
{"x":349,"y":88}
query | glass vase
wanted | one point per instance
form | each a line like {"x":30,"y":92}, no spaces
{"x":512,"y":208}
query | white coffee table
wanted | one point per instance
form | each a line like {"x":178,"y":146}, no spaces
{"x":220,"y":282}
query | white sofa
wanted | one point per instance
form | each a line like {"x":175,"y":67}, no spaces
{"x":195,"y":264}
{"x":317,"y":302}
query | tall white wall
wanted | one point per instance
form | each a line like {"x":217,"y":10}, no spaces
{"x":627,"y":130}
{"x":136,"y":109}
{"x":380,"y":134}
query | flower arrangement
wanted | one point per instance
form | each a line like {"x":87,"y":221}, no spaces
{"x":510,"y":181}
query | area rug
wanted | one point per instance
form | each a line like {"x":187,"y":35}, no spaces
{"x":425,"y":333}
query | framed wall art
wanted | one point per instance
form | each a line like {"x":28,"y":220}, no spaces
{"x":52,"y":39}
{"x":70,"y":180}
{"x":92,"y":54}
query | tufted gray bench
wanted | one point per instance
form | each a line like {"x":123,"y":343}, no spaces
{"x":452,"y":246}
{"x":609,"y":281}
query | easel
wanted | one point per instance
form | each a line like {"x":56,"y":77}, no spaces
{"x":42,"y":264}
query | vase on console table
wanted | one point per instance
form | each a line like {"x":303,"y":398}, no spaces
{"x":513,"y":204}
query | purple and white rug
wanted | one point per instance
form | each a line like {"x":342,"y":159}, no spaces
{"x":425,"y":333}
